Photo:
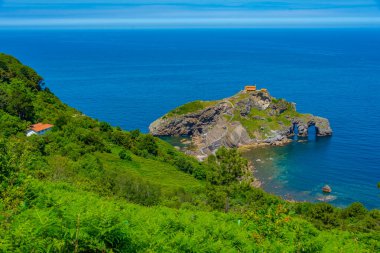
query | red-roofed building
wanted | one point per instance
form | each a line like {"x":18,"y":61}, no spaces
{"x":250,"y":88}
{"x":39,"y":129}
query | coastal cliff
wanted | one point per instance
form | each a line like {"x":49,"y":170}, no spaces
{"x":247,"y":118}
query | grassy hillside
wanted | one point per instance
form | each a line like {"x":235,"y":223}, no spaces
{"x":61,"y":218}
{"x":86,"y":186}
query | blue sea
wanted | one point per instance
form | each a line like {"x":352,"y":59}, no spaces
{"x":131,"y":77}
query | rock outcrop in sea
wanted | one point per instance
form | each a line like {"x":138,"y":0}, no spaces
{"x":247,"y":118}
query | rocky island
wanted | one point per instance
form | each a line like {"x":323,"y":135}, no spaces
{"x":251,"y":117}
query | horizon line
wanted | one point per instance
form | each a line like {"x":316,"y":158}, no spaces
{"x":135,"y":23}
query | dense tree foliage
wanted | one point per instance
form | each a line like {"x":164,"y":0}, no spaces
{"x":86,"y":186}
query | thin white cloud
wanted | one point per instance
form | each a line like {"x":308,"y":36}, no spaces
{"x":188,"y":13}
{"x":190,"y":22}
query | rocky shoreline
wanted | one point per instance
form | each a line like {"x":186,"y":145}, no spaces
{"x":245,"y":120}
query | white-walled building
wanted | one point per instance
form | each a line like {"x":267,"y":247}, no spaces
{"x":38,"y":129}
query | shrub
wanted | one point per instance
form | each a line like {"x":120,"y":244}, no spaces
{"x":124,"y":155}
{"x":148,"y":143}
{"x":105,"y":127}
{"x":355,"y":210}
{"x":123,"y":139}
{"x":324,"y":214}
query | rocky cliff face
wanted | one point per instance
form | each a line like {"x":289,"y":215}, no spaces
{"x":189,"y":124}
{"x":246,"y":118}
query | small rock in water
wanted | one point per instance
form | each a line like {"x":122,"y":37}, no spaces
{"x":258,"y":160}
{"x":326,"y":189}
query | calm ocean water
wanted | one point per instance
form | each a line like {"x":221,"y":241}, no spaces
{"x":130,"y":78}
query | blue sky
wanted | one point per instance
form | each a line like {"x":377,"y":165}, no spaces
{"x":188,"y":13}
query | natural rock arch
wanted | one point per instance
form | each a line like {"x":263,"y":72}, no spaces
{"x":301,"y":127}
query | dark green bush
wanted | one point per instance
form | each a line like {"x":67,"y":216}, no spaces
{"x":355,"y":210}
{"x":124,"y":155}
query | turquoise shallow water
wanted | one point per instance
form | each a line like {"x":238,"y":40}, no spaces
{"x":130,"y":78}
{"x":282,"y":171}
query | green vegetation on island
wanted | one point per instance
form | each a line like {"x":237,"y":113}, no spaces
{"x":86,"y":186}
{"x":190,"y":107}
